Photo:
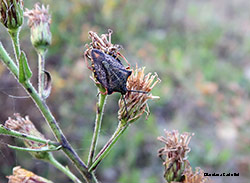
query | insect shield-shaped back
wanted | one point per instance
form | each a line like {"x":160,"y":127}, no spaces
{"x":110,"y":72}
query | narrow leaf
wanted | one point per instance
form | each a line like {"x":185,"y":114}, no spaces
{"x":42,"y":149}
{"x":24,"y":70}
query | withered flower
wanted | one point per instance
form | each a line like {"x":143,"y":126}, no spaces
{"x":174,"y":154}
{"x":39,"y":22}
{"x":11,"y":13}
{"x":24,"y":125}
{"x":195,"y":177}
{"x":136,"y":102}
{"x":21,"y":175}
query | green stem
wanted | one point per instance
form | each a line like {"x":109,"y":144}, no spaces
{"x":105,"y":150}
{"x":14,"y":34}
{"x":41,"y":68}
{"x":62,"y":168}
{"x":98,"y":122}
{"x":42,"y":106}
{"x":6,"y":131}
{"x":42,"y":149}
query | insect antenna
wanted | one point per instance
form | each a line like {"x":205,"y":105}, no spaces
{"x":138,"y":91}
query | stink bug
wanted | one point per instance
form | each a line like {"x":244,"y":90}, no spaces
{"x":110,"y":72}
{"x":105,"y":64}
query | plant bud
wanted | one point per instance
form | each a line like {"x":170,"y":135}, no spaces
{"x":39,"y":23}
{"x":24,"y":125}
{"x":11,"y":12}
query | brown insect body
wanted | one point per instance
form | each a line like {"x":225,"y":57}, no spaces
{"x":110,"y":72}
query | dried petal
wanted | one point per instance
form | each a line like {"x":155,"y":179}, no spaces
{"x":21,"y":175}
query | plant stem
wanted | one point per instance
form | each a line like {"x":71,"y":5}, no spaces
{"x":105,"y":150}
{"x":42,"y":106}
{"x":62,"y":168}
{"x":98,"y":122}
{"x":6,"y":131}
{"x":41,"y":67}
{"x":14,"y":34}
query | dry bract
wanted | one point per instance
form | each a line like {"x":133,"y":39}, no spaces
{"x":11,"y":13}
{"x":174,"y":154}
{"x":136,"y":102}
{"x":24,"y":125}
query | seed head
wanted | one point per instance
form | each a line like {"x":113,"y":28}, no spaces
{"x":39,"y":23}
{"x":21,"y":175}
{"x":195,"y":177}
{"x":24,"y":125}
{"x":11,"y":13}
{"x":136,"y":102}
{"x":174,"y":154}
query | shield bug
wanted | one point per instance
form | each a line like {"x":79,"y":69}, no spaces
{"x":106,"y":66}
{"x":110,"y":72}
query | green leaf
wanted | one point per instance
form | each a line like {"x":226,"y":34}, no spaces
{"x":24,"y":70}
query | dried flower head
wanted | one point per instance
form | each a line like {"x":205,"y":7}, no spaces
{"x":195,"y":177}
{"x":136,"y":102}
{"x":174,"y":154}
{"x":21,"y":175}
{"x":39,"y":22}
{"x":24,"y":125}
{"x":104,"y":44}
{"x":11,"y":13}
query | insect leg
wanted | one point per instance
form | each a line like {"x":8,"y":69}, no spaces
{"x":118,"y":53}
{"x":86,"y":60}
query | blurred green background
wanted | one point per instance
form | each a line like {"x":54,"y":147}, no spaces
{"x":200,"y":50}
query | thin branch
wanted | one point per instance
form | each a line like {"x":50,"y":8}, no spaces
{"x":42,"y":106}
{"x":105,"y":150}
{"x":41,"y":67}
{"x":42,"y":149}
{"x":15,"y":42}
{"x":62,"y":168}
{"x":6,"y":131}
{"x":98,"y":122}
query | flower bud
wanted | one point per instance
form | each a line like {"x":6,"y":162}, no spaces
{"x":24,"y":125}
{"x":174,"y":155}
{"x":39,"y":23}
{"x":21,"y":175}
{"x":11,"y":12}
{"x":136,"y":102}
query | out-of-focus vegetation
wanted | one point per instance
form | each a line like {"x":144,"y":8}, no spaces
{"x":200,"y":50}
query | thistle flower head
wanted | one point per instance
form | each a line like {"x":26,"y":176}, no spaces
{"x":39,"y":22}
{"x":22,"y":175}
{"x":103,"y":42}
{"x":174,"y":154}
{"x":136,"y":102}
{"x":24,"y":125}
{"x":195,"y":177}
{"x":11,"y":13}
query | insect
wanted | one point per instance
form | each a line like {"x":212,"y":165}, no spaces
{"x":110,"y":72}
{"x":105,"y":64}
